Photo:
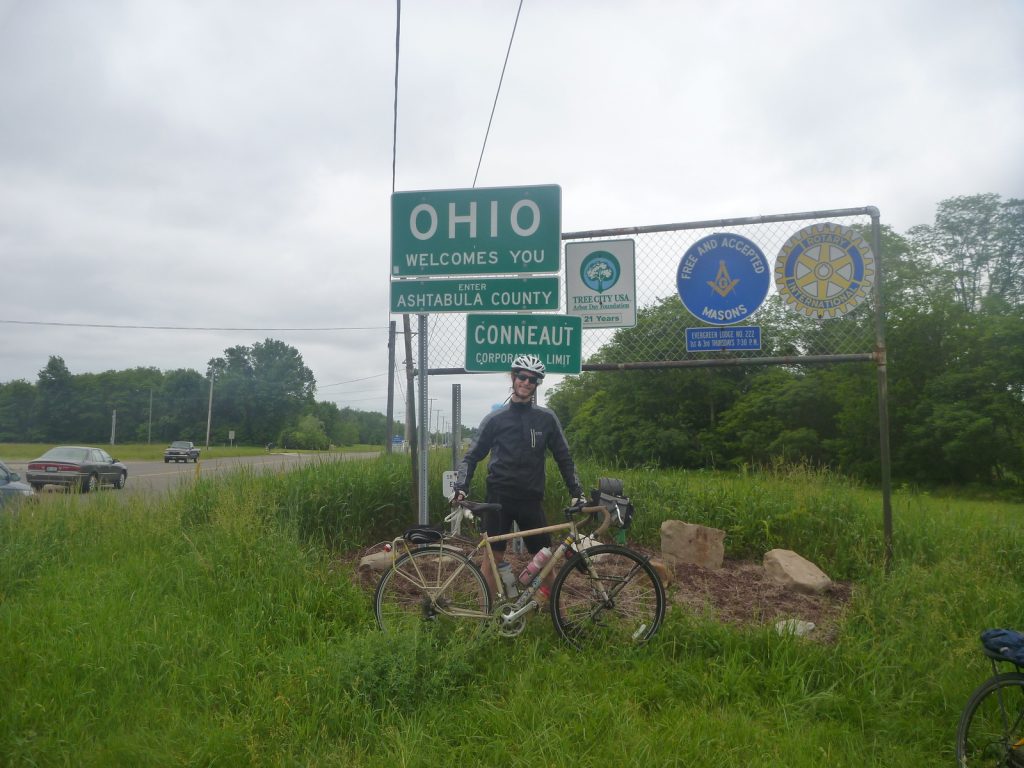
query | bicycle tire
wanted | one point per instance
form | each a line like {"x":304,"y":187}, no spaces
{"x":631,"y":613}
{"x":991,"y":728}
{"x":416,"y":591}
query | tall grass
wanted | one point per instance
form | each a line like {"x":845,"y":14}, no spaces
{"x":218,"y":626}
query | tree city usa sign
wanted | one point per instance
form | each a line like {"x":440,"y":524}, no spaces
{"x":488,"y":231}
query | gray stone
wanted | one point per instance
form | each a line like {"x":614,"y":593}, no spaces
{"x":378,"y":562}
{"x":788,"y":568}
{"x":794,"y":627}
{"x":689,"y":543}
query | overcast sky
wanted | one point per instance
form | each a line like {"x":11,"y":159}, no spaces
{"x":228,"y":163}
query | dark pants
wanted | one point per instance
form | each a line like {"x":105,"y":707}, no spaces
{"x":528,"y":513}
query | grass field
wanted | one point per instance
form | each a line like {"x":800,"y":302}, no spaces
{"x":218,"y":627}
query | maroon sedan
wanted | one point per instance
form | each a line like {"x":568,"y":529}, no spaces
{"x":76,"y":467}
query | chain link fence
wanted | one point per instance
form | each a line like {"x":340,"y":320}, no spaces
{"x":838,"y":318}
{"x":793,"y":334}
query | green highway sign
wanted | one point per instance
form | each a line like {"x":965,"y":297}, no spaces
{"x":488,"y":231}
{"x":492,"y":341}
{"x":480,"y":294}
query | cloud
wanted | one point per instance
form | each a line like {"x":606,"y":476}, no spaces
{"x":229,"y":164}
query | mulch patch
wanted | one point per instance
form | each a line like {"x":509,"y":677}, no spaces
{"x":739,"y":593}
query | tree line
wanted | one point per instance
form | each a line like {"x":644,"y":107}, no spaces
{"x":954,"y":300}
{"x":264,"y":393}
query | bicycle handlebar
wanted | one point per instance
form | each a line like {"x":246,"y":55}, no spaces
{"x":466,"y":509}
{"x":606,"y":519}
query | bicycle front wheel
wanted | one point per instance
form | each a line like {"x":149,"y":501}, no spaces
{"x":609,"y":596}
{"x":991,"y":728}
{"x":432,"y":586}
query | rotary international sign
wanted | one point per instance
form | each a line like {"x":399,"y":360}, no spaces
{"x":825,"y":270}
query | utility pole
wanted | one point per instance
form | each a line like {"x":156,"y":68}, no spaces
{"x":209,"y":412}
{"x":113,"y":426}
{"x":149,"y":433}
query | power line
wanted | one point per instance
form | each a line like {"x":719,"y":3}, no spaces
{"x":394,"y":128}
{"x":343,"y":399}
{"x":351,"y":381}
{"x":500,"y":80}
{"x":183,"y":327}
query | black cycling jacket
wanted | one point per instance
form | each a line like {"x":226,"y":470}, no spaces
{"x":517,"y":437}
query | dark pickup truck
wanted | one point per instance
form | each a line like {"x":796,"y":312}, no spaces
{"x":181,"y":450}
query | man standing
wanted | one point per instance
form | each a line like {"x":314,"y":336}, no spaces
{"x":518,"y":437}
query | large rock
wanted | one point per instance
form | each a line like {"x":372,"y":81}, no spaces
{"x":376,"y":563}
{"x":689,"y":543}
{"x":663,"y":571}
{"x":789,"y":569}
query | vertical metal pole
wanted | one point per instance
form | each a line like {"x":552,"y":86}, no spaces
{"x":424,"y":507}
{"x":883,"y":394}
{"x":209,"y":412}
{"x":391,"y":388}
{"x":456,"y":423}
{"x":149,"y":432}
{"x":410,"y":414}
{"x":113,"y":426}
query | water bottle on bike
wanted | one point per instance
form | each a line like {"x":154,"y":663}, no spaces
{"x":534,"y":566}
{"x":508,"y":580}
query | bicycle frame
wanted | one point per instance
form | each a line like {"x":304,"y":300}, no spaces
{"x":525,"y":602}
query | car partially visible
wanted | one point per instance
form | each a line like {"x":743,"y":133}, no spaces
{"x":12,"y":489}
{"x":182,"y":450}
{"x":74,"y":466}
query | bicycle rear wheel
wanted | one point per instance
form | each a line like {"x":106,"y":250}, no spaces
{"x":991,"y":728}
{"x":609,"y":596}
{"x":432,"y":586}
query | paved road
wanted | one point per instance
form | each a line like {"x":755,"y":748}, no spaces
{"x":156,"y":476}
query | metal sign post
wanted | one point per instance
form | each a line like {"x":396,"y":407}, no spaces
{"x":424,"y":431}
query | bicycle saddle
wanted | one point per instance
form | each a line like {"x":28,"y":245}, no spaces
{"x":423,"y":534}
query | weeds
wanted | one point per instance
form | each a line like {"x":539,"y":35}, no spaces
{"x":214,"y":626}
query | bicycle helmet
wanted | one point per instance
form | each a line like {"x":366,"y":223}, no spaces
{"x":529,"y":363}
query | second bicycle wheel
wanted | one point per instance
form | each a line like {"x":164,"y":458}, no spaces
{"x":607,"y":596}
{"x":435,"y":587}
{"x":991,"y":729}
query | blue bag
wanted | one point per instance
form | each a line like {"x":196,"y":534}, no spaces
{"x":1005,"y":642}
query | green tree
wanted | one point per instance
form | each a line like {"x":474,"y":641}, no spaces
{"x":260,"y":390}
{"x":654,"y":416}
{"x":18,"y":412}
{"x":179,"y":406}
{"x":979,"y":241}
{"x":56,"y":407}
{"x":308,"y":434}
